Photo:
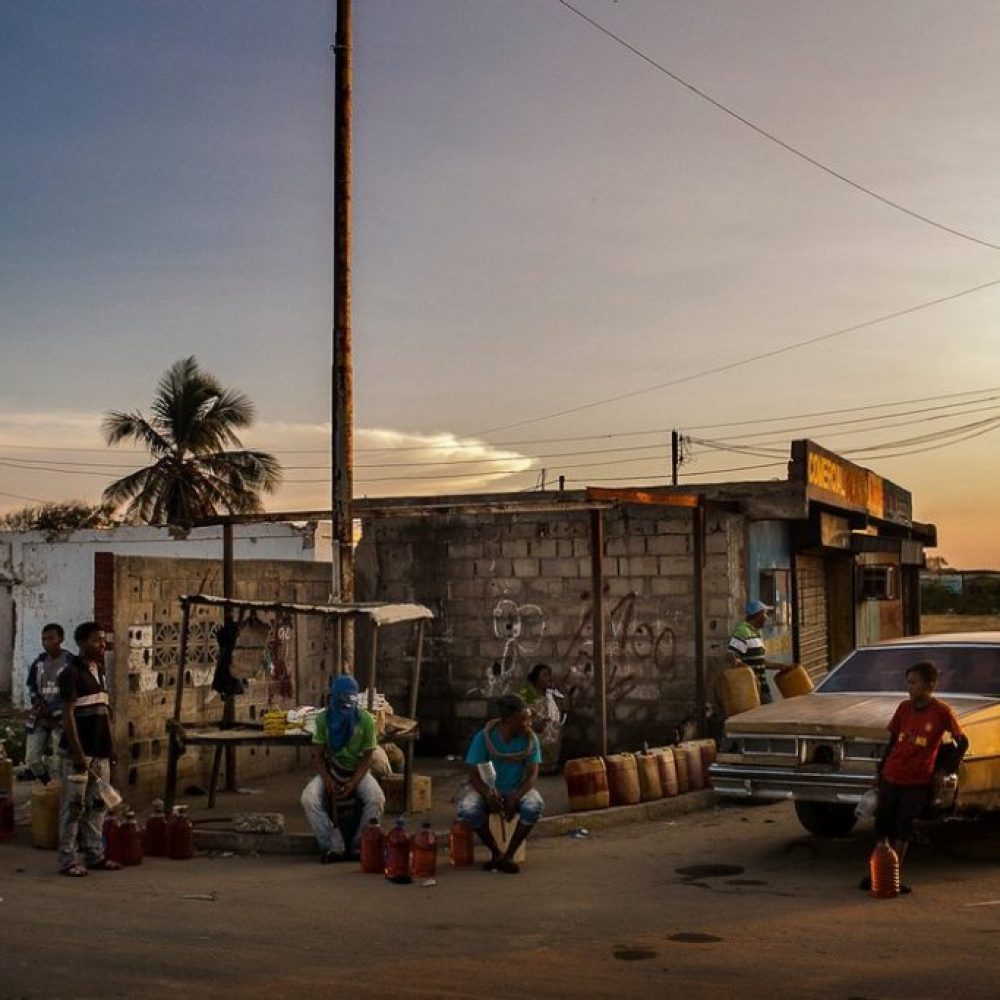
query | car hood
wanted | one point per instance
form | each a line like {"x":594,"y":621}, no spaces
{"x":840,"y":714}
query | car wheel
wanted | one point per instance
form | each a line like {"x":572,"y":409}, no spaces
{"x":826,"y":819}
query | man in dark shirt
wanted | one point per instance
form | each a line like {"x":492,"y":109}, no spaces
{"x":42,"y":729}
{"x":89,"y":751}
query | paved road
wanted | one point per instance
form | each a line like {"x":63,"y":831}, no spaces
{"x":615,"y":915}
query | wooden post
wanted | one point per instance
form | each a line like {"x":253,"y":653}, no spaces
{"x":414,"y":690}
{"x":228,"y":699}
{"x":173,"y":751}
{"x":597,"y":627}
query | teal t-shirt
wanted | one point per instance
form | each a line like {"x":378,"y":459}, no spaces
{"x":509,"y":773}
{"x":362,"y":740}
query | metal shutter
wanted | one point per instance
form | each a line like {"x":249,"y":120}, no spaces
{"x":810,"y":582}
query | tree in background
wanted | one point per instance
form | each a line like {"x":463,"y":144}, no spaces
{"x":68,"y":515}
{"x":200,"y":467}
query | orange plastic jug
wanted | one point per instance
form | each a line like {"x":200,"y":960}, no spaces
{"x":883,"y":866}
{"x":423,"y":853}
{"x":460,"y":845}
{"x":397,"y":852}
{"x":373,"y":849}
{"x":587,"y":784}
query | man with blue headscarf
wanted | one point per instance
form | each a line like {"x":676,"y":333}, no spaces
{"x":343,"y":745}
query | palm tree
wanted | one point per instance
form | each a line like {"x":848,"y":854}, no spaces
{"x":194,"y":419}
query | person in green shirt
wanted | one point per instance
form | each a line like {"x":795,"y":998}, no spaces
{"x":343,"y":744}
{"x":746,"y":645}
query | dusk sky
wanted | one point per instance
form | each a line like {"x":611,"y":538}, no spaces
{"x":543,"y":219}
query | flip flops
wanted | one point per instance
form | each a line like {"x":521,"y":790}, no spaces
{"x":105,"y":865}
{"x":73,"y":871}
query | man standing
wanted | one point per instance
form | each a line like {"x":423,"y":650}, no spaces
{"x":343,"y":745}
{"x":746,"y":645}
{"x":89,"y":753}
{"x":43,"y":726}
{"x":509,"y":744}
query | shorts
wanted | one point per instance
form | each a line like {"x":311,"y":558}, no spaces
{"x":898,"y":806}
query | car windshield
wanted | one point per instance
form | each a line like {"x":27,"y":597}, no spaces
{"x":963,"y":669}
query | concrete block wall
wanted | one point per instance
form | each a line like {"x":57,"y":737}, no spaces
{"x":146,"y":624}
{"x":510,"y":591}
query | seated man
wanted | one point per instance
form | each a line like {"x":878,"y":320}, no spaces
{"x":513,"y":749}
{"x":343,"y":745}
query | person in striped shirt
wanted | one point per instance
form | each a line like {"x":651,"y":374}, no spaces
{"x":746,"y":645}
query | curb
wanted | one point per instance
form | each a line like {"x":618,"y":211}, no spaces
{"x":550,"y":826}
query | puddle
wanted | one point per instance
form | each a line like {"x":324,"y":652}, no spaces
{"x":710,"y":871}
{"x":689,"y":937}
{"x":633,"y":954}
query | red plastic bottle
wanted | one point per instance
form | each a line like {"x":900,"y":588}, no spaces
{"x":884,"y":868}
{"x":397,"y":853}
{"x":373,"y":849}
{"x":6,"y":815}
{"x":130,"y":840}
{"x":460,"y":845}
{"x":423,"y":854}
{"x":181,"y":835}
{"x":157,"y":832}
{"x":112,"y":844}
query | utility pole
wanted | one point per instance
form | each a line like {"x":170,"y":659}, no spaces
{"x":675,"y":456}
{"x":342,"y":403}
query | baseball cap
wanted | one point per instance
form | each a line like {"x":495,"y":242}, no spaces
{"x":755,"y":608}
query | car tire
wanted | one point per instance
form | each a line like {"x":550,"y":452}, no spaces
{"x":826,"y":819}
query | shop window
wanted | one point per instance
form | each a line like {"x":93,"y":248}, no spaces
{"x":879,"y":583}
{"x":775,"y":588}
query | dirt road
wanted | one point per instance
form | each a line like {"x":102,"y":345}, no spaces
{"x":628,"y":913}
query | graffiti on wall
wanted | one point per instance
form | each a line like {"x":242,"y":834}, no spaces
{"x":520,"y":628}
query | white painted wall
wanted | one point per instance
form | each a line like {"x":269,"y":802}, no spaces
{"x":53,"y":577}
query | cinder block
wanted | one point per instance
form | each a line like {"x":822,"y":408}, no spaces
{"x":471,"y":708}
{"x":495,"y":567}
{"x":560,"y":568}
{"x":526,"y":567}
{"x":668,"y":545}
{"x":640,"y":566}
{"x":516,"y":548}
{"x":676,"y":566}
{"x":543,"y":587}
{"x":547,"y":548}
{"x":635,"y":545}
{"x":671,"y":586}
{"x":615,"y":546}
{"x":509,"y":587}
{"x":717,"y":543}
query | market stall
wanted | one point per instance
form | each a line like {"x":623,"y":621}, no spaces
{"x":402,"y":730}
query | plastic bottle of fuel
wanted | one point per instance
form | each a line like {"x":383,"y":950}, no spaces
{"x":884,"y":868}
{"x":181,"y":835}
{"x":460,"y":845}
{"x":129,"y":840}
{"x":157,"y":832}
{"x":112,"y":844}
{"x":373,"y":849}
{"x":423,"y":855}
{"x":397,"y":853}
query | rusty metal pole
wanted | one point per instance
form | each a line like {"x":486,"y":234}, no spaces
{"x":698,"y":556}
{"x":342,"y":403}
{"x":597,"y":627}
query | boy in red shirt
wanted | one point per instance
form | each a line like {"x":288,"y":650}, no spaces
{"x":906,"y":771}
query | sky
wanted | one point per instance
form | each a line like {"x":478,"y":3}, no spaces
{"x":561,"y":251}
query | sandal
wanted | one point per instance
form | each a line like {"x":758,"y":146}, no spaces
{"x":105,"y":865}
{"x":74,"y":871}
{"x":508,"y":867}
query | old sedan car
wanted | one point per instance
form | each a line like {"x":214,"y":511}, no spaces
{"x":821,"y":749}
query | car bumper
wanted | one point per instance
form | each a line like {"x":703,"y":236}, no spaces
{"x":748,"y":782}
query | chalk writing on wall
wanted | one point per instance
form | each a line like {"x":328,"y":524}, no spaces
{"x":520,"y":628}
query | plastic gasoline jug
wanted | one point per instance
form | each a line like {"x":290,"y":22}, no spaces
{"x":587,"y":784}
{"x":884,"y":868}
{"x":460,"y":845}
{"x":423,"y":853}
{"x":397,"y":853}
{"x":130,"y":840}
{"x":157,"y":832}
{"x":112,"y":846}
{"x":45,"y":815}
{"x":6,"y":815}
{"x":373,"y":849}
{"x":181,"y":835}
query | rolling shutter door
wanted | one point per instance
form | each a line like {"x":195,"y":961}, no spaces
{"x":813,"y":640}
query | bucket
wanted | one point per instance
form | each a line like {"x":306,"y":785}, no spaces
{"x":691,"y":753}
{"x":793,"y":681}
{"x":737,"y":690}
{"x":587,"y":784}
{"x":650,"y":786}
{"x":45,"y":816}
{"x":623,"y":779}
{"x":668,"y":771}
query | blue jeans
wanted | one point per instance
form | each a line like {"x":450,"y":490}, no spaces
{"x":81,"y":813}
{"x":472,"y":809}
{"x":327,"y":835}
{"x":40,"y":743}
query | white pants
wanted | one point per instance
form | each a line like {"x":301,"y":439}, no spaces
{"x":327,"y":835}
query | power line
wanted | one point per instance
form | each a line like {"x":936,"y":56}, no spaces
{"x":771,"y":137}
{"x":729,"y":366}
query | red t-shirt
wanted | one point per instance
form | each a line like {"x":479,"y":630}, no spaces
{"x":918,"y":733}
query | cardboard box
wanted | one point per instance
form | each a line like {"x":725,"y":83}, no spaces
{"x":502,"y":832}
{"x":395,"y":793}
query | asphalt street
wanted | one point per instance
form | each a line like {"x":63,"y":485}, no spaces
{"x":721,"y":903}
